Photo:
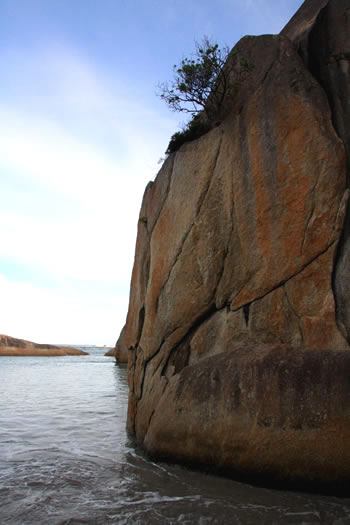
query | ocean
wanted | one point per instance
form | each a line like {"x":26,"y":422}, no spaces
{"x":65,"y":458}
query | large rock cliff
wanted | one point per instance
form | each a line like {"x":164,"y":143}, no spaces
{"x":239,"y":316}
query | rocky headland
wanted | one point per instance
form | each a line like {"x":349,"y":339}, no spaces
{"x":238,"y":326}
{"x":10,"y":346}
{"x":120,"y":351}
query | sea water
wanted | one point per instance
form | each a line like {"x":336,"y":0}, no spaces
{"x":65,"y":458}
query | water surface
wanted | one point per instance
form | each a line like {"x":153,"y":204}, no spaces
{"x":65,"y":458}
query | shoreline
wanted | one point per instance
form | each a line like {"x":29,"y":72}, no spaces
{"x":12,"y":347}
{"x":39,"y":352}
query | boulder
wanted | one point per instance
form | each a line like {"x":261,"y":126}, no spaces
{"x":271,"y":412}
{"x":120,"y":351}
{"x":241,"y":258}
{"x":10,"y":346}
{"x":111,"y":352}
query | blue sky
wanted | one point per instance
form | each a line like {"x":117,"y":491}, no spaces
{"x":81,"y":134}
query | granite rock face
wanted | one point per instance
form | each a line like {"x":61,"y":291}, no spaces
{"x":238,"y":308}
{"x":120,"y":351}
{"x":276,"y":411}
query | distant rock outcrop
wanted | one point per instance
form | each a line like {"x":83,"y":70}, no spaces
{"x":120,"y":351}
{"x":10,"y":346}
{"x":238,"y":325}
{"x":111,"y":352}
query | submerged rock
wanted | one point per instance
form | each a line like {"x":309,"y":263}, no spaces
{"x":238,"y":321}
{"x":10,"y":346}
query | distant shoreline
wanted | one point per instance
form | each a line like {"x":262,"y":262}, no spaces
{"x":11,"y":346}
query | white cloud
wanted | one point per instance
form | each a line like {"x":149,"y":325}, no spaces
{"x":58,"y":315}
{"x":57,"y":141}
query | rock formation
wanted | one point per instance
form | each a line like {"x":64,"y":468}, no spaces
{"x":120,"y":351}
{"x":239,"y":316}
{"x":111,"y":352}
{"x":10,"y":346}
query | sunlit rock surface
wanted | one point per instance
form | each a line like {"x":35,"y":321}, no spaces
{"x":239,"y":316}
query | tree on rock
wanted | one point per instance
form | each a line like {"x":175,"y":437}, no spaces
{"x":195,"y":79}
{"x":202,"y":86}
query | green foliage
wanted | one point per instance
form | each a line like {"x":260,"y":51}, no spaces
{"x":194,"y":129}
{"x":195,"y":78}
{"x":143,"y":220}
{"x":203,"y":85}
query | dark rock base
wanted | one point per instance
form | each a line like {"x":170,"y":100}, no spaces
{"x":272,"y":413}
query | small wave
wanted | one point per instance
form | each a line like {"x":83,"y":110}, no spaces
{"x":65,"y":458}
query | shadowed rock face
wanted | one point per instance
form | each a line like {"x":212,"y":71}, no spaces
{"x":240,"y":237}
{"x":330,"y":60}
{"x":321,"y":32}
{"x":300,"y":25}
{"x":275,"y":410}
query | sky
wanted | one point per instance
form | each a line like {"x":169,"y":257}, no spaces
{"x":81,"y":134}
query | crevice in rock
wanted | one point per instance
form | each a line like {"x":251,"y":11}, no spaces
{"x":284,"y":281}
{"x":311,"y":214}
{"x":209,"y":311}
{"x":229,"y":244}
{"x":339,"y":293}
{"x":295,"y":313}
{"x":319,"y":63}
{"x":141,"y":321}
{"x":140,"y":351}
{"x":180,"y":362}
{"x":323,"y":65}
{"x":343,"y":203}
{"x":219,"y":306}
{"x":185,"y":340}
{"x":341,"y":254}
{"x":156,"y":405}
{"x":246,"y":311}
{"x":144,"y":370}
{"x":177,"y":359}
{"x":150,"y":417}
{"x":171,"y":160}
{"x":186,"y":234}
{"x":147,"y":361}
{"x":160,"y":349}
{"x":146,"y":269}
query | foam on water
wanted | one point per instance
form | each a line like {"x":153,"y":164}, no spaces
{"x":65,"y":458}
